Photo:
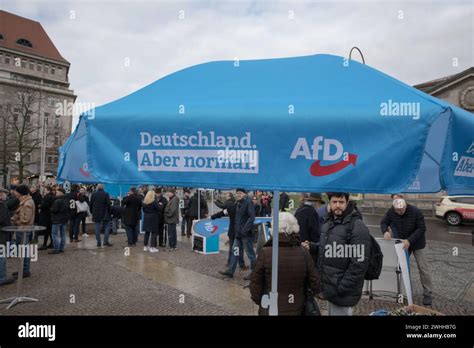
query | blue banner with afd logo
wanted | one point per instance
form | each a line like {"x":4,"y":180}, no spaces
{"x":316,"y":123}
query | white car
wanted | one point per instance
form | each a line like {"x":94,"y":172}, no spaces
{"x":455,"y":209}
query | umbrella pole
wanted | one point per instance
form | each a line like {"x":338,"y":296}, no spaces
{"x":274,"y":292}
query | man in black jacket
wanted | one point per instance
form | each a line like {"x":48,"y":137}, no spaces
{"x":343,"y":255}
{"x":228,"y":209}
{"x":100,"y":209}
{"x":308,"y":220}
{"x":244,"y":219}
{"x":74,"y":219}
{"x":131,"y":215}
{"x":4,"y":222}
{"x":408,"y":223}
{"x":284,"y":201}
{"x":193,"y":210}
{"x":45,"y":216}
{"x":59,"y":217}
{"x":184,"y":212}
{"x":162,"y":202}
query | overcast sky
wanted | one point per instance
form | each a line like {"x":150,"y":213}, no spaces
{"x":117,"y":47}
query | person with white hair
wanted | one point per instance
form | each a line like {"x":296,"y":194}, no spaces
{"x":297,"y":276}
{"x":405,"y":221}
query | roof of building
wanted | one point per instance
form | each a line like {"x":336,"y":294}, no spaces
{"x":438,"y":84}
{"x":14,"y":28}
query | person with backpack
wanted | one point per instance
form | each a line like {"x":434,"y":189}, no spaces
{"x":342,"y":274}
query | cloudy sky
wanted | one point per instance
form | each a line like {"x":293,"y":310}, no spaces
{"x":117,"y":47}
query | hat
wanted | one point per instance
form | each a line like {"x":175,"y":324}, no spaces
{"x":3,"y":190}
{"x":314,"y":197}
{"x":22,"y":190}
{"x":241,"y":190}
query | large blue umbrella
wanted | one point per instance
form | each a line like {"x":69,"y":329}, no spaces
{"x":316,"y":123}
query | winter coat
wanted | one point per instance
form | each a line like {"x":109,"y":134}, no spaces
{"x":295,"y":272}
{"x":133,"y":206}
{"x":410,"y":226}
{"x":244,"y":218}
{"x":4,"y":222}
{"x":60,"y":211}
{"x":150,"y":217}
{"x":230,"y":206}
{"x":342,"y":277}
{"x":185,"y":209}
{"x":284,"y":201}
{"x":72,"y":197}
{"x":172,"y":211}
{"x":193,"y":206}
{"x":308,"y":220}
{"x":38,"y":199}
{"x":12,"y":203}
{"x":25,"y":213}
{"x":45,"y":211}
{"x":100,"y":206}
{"x":162,"y":202}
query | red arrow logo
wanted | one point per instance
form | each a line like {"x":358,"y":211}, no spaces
{"x":317,"y":169}
{"x":83,"y":172}
{"x":214,"y":229}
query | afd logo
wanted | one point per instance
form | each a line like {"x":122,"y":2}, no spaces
{"x":210,"y":227}
{"x":328,"y":150}
{"x":84,"y":170}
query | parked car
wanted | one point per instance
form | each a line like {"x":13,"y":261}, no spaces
{"x":455,"y":209}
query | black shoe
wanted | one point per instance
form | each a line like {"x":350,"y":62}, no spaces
{"x":44,"y":247}
{"x":71,"y":240}
{"x":108,"y":244}
{"x":7,"y":281}
{"x":244,"y":267}
{"x":61,"y":251}
{"x":99,"y":245}
{"x":427,"y":300}
{"x":54,"y":252}
{"x":162,"y":245}
{"x":25,"y":274}
{"x":50,"y":246}
{"x":226,"y":274}
{"x":77,"y":240}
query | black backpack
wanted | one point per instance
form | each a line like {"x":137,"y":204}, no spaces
{"x":375,"y":257}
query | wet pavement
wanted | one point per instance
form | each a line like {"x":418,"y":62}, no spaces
{"x":86,"y":280}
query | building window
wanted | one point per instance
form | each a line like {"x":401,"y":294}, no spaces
{"x":24,"y":42}
{"x":46,"y":69}
{"x":7,"y":59}
{"x":52,"y":70}
{"x":28,"y":117}
{"x":46,"y":118}
{"x":52,"y":101}
{"x":55,"y":160}
{"x":38,"y":67}
{"x":60,"y":71}
{"x":23,"y":63}
{"x":32,"y":65}
{"x":56,"y":140}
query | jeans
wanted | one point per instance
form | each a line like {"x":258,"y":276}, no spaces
{"x":183,"y":225}
{"x":74,"y":227}
{"x":241,"y":255}
{"x":241,"y":244}
{"x":58,"y":235}
{"x":136,"y":231}
{"x":106,"y":232}
{"x":172,"y":235}
{"x":147,"y":238}
{"x":338,"y":310}
{"x":115,"y":224}
{"x":424,"y":270}
{"x":130,"y":229}
{"x":19,"y":241}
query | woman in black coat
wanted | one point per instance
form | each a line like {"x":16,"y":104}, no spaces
{"x":150,"y":220}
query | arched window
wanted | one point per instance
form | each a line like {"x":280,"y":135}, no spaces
{"x":24,"y":42}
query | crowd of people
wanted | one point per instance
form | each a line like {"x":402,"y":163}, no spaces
{"x":306,"y":269}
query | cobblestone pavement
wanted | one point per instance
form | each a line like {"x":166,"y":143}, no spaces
{"x":107,"y":281}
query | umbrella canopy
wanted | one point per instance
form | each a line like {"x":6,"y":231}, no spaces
{"x":316,"y":123}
